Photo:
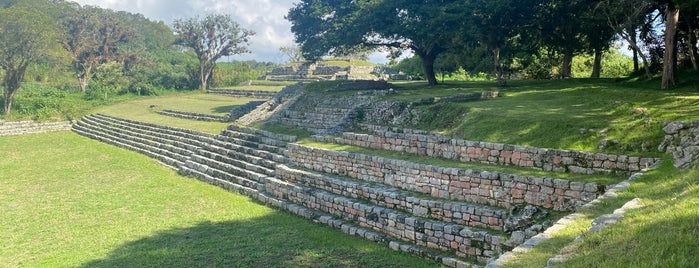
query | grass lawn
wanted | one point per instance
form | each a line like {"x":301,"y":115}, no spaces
{"x":193,"y":102}
{"x":68,"y":201}
{"x":551,"y":113}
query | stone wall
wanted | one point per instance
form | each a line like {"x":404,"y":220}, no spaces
{"x":258,"y":94}
{"x":682,"y":142}
{"x":240,"y":111}
{"x":464,"y":241}
{"x":393,"y":198}
{"x":193,"y":116}
{"x":481,"y":187}
{"x":424,"y":143}
{"x":8,"y":128}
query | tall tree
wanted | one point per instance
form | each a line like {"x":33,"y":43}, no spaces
{"x":25,"y":37}
{"x":211,"y":38}
{"x":561,"y":27}
{"x":427,"y":28}
{"x":498,"y":23}
{"x":672,"y":17}
{"x":93,"y":36}
{"x":624,"y":16}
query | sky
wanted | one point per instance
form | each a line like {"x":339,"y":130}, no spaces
{"x":265,"y":17}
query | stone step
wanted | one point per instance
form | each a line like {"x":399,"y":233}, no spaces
{"x":225,"y":184}
{"x":228,"y":168}
{"x":416,"y":204}
{"x":136,"y":138}
{"x":183,"y":140}
{"x":252,"y":155}
{"x":154,"y":140}
{"x":249,"y":130}
{"x":262,"y":150}
{"x":174,"y":131}
{"x":223,"y":172}
{"x":264,"y":142}
{"x":238,"y":159}
{"x":453,"y":238}
{"x":168,"y":161}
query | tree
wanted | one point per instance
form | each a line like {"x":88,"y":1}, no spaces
{"x":25,"y":37}
{"x":672,"y":16}
{"x":624,"y":16}
{"x":211,"y":38}
{"x":93,"y":36}
{"x":427,"y":28}
{"x":293,"y":53}
{"x":498,"y":23}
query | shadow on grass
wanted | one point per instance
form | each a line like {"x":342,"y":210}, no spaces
{"x":223,"y":109}
{"x":275,"y":240}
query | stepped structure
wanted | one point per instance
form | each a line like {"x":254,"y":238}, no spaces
{"x":455,"y":216}
{"x":322,"y":71}
{"x":8,"y":128}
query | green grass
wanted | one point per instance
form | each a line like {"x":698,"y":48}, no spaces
{"x":88,"y":204}
{"x":194,"y":102}
{"x":660,"y":234}
{"x":551,"y":113}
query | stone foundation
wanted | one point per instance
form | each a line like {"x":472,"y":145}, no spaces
{"x":682,"y":142}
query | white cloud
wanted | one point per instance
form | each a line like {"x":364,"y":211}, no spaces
{"x":265,"y":17}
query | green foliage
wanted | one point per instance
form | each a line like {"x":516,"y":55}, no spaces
{"x":211,"y":38}
{"x":614,"y":64}
{"x":237,"y":72}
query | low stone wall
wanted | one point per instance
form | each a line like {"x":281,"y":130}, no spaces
{"x":464,"y":241}
{"x":424,"y":143}
{"x":240,"y":111}
{"x":194,"y":116}
{"x":682,"y":142}
{"x":258,"y":94}
{"x":8,"y":128}
{"x":458,"y":98}
{"x":450,"y":212}
{"x":482,"y":187}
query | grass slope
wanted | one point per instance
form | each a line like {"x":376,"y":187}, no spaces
{"x":68,"y":201}
{"x":193,"y":102}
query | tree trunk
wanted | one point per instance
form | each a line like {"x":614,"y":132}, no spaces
{"x":630,"y":37}
{"x":84,"y":78}
{"x":672,"y":15}
{"x":428,"y":66}
{"x":691,"y":45}
{"x":597,"y":65}
{"x":567,"y":65}
{"x":500,"y":80}
{"x":11,"y":85}
{"x":631,"y":30}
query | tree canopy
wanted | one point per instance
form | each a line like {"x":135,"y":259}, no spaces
{"x":25,"y":37}
{"x":211,"y":38}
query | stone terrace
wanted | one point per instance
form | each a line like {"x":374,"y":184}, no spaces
{"x":8,"y":128}
{"x":456,"y":217}
{"x":434,"y":145}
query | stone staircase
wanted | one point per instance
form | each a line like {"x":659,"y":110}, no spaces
{"x":247,"y":93}
{"x":266,"y":167}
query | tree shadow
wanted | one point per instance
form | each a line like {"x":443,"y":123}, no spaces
{"x":278,"y":239}
{"x":223,"y":109}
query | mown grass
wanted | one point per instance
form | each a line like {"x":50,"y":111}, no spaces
{"x":83,"y":203}
{"x":193,"y":102}
{"x":552,"y":113}
{"x":662,"y":233}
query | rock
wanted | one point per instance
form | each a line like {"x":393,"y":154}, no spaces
{"x":673,"y":128}
{"x":522,"y":219}
{"x":604,"y":144}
